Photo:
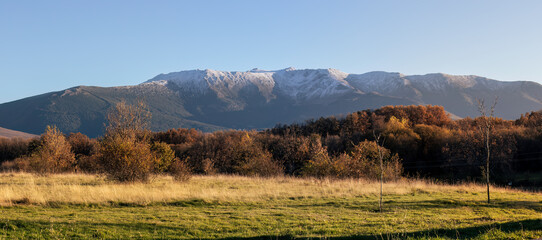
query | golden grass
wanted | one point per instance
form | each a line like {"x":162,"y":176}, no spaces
{"x":95,"y":189}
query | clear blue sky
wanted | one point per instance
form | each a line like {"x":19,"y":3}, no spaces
{"x":52,"y":45}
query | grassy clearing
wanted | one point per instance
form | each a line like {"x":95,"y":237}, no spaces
{"x":88,"y":206}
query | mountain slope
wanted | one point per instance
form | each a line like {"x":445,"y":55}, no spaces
{"x":83,"y":109}
{"x":457,"y":94}
{"x":7,"y":133}
{"x":212,"y":100}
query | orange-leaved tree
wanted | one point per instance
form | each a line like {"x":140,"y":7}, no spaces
{"x":124,"y":152}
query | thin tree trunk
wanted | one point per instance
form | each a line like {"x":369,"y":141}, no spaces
{"x":377,"y":138}
{"x":381,"y":172}
{"x":487,"y":166}
{"x":486,"y":128}
{"x":381,"y":177}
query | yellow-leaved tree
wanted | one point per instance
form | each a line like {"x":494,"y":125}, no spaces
{"x":53,"y":154}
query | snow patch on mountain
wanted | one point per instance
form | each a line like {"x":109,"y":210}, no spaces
{"x":157,"y":82}
{"x":191,"y":80}
{"x":380,"y":82}
{"x":440,"y":82}
{"x":309,"y":84}
{"x":297,"y":84}
{"x":321,"y":84}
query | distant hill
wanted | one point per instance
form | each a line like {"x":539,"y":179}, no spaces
{"x":7,"y":133}
{"x":83,"y":109}
{"x":213,"y":100}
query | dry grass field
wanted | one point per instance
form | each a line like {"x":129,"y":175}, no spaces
{"x":84,"y":189}
{"x":70,"y":206}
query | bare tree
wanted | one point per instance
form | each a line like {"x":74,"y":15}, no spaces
{"x":485,"y":126}
{"x":381,"y":157}
{"x":128,"y":120}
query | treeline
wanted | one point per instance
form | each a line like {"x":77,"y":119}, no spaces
{"x":414,"y":141}
{"x":433,"y":145}
{"x":263,"y":154}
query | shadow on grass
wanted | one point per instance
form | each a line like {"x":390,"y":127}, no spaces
{"x":451,"y":203}
{"x":87,"y":230}
{"x":460,"y":233}
{"x":308,"y":203}
{"x":28,"y":229}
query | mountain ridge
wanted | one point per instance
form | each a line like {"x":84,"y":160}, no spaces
{"x":213,"y":100}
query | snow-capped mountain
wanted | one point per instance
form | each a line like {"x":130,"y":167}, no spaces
{"x":313,"y":84}
{"x":458,"y":93}
{"x":299,"y":85}
{"x":212,"y":100}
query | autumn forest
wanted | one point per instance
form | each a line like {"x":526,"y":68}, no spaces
{"x":415,"y":141}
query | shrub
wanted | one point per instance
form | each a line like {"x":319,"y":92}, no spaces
{"x":259,"y":163}
{"x":89,"y":164}
{"x":207,"y":166}
{"x":179,"y":170}
{"x":232,"y":152}
{"x":10,"y":166}
{"x":81,"y":144}
{"x":164,"y":155}
{"x":124,"y":153}
{"x":343,"y":167}
{"x":12,"y":148}
{"x":249,"y":158}
{"x":126,"y":160}
{"x":178,"y":136}
{"x":53,"y":155}
{"x":292,"y":152}
{"x":364,"y":162}
{"x":320,"y":167}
